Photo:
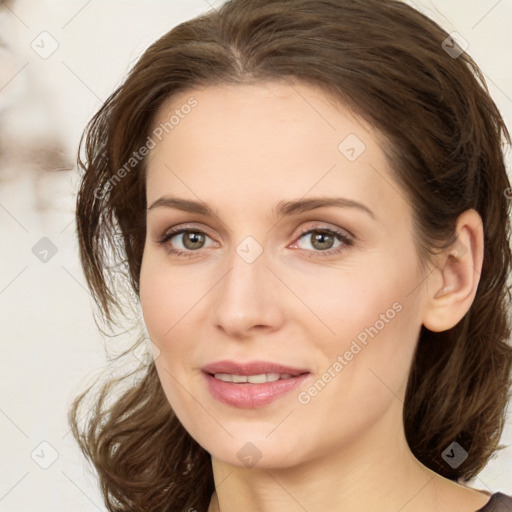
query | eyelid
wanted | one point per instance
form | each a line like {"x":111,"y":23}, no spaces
{"x":319,"y":225}
{"x":178,"y":230}
{"x":342,"y":235}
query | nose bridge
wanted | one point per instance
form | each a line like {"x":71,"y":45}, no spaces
{"x":245,"y":296}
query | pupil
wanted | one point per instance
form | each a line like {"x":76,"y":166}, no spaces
{"x":193,"y":238}
{"x":320,"y":236}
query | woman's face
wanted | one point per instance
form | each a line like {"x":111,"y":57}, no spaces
{"x":334,"y":291}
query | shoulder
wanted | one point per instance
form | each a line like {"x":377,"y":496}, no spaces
{"x":499,"y":502}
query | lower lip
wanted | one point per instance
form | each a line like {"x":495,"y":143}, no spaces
{"x":249,"y":396}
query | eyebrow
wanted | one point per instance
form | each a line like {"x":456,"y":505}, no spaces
{"x":283,"y":208}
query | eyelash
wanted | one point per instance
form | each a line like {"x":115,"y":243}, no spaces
{"x":346,"y":241}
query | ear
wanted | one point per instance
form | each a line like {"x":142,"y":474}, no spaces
{"x":453,"y":283}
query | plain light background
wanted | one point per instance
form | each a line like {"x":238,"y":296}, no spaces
{"x":51,"y":347}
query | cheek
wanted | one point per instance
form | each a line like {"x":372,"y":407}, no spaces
{"x":165,"y":300}
{"x":366,"y":364}
{"x":154,"y":297}
{"x":359,"y":297}
{"x":374,"y":321}
{"x":167,"y":296}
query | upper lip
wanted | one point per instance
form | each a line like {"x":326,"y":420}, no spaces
{"x":251,"y":368}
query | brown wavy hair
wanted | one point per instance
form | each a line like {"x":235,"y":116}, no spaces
{"x":445,"y":140}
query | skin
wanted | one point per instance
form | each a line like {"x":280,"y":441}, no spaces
{"x":241,"y":150}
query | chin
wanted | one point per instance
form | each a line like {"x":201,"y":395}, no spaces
{"x":254,"y":450}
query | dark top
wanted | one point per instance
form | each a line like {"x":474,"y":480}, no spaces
{"x":499,"y":502}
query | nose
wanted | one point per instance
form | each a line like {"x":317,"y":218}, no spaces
{"x":248,"y":299}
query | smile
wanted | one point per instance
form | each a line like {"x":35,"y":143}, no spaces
{"x":252,"y":379}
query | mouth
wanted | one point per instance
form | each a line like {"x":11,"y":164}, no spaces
{"x":260,"y":378}
{"x":251,"y":385}
{"x":253,"y":369}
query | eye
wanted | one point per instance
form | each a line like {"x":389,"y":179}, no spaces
{"x":190,"y":239}
{"x":323,"y":240}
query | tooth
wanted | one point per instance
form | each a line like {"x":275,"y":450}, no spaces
{"x":258,"y":379}
{"x":252,"y":379}
{"x":226,"y":377}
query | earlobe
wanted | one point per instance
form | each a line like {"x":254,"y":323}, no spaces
{"x":453,"y":284}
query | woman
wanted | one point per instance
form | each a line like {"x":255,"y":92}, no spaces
{"x":310,"y":202}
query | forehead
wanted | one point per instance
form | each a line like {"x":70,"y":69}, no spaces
{"x":273,"y":139}
{"x":289,"y":99}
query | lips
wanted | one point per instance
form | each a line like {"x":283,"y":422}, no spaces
{"x":252,"y":368}
{"x":252,"y":384}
